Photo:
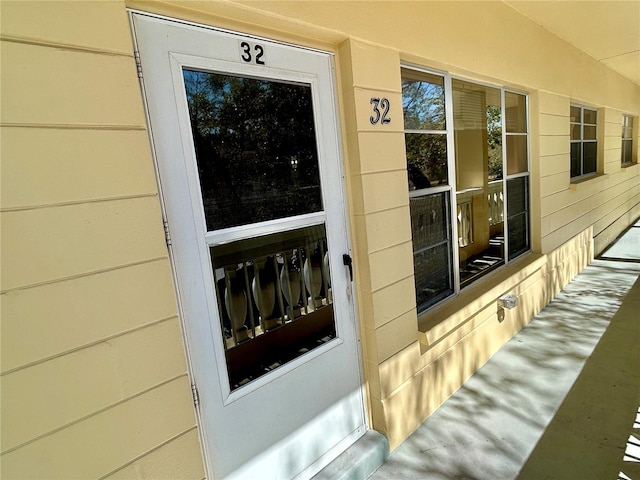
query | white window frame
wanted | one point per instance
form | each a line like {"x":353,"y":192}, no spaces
{"x":627,"y":139}
{"x":582,"y":140}
{"x":451,"y":170}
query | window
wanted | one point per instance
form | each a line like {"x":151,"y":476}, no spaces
{"x":467,"y":151}
{"x":426,"y":139}
{"x":584,"y":141}
{"x":627,"y":140}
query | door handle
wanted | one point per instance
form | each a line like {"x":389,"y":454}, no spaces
{"x":347,"y":261}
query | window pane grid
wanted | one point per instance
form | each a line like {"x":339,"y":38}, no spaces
{"x":484,"y":149}
{"x":584,"y":141}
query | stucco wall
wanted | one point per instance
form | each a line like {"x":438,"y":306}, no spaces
{"x":94,"y":380}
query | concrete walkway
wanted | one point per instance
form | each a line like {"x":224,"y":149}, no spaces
{"x":561,"y":400}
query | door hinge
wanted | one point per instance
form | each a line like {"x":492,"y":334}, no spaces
{"x":167,"y":234}
{"x":195,"y":394}
{"x":136,"y":55}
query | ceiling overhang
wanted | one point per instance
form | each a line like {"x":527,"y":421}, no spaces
{"x":607,"y":30}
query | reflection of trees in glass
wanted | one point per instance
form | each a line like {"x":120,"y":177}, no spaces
{"x":494,"y":139}
{"x":424,"y":109}
{"x":423,"y":105}
{"x":255,"y":147}
{"x":426,"y":159}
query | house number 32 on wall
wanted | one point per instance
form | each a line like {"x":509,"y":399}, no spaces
{"x":380,"y":111}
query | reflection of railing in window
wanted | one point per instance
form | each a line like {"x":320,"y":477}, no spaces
{"x":496,"y":202}
{"x":275,"y":283}
{"x":274,"y":297}
{"x":465,"y":223}
{"x":464,"y":199}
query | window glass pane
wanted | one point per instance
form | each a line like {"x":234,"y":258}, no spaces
{"x":479,"y":194}
{"x":432,"y":256}
{"x":478,"y":134}
{"x":576,"y":159}
{"x":516,"y":112}
{"x":426,"y":160}
{"x":575,"y":114}
{"x":423,"y":101}
{"x":576,"y":130}
{"x":494,"y":141}
{"x":274,"y":298}
{"x":628,"y":132}
{"x":590,"y":116}
{"x":516,"y":154}
{"x":432,"y":276}
{"x":518,"y":235}
{"x":517,"y":197}
{"x":627,"y":126}
{"x":518,"y":215}
{"x":429,"y":225}
{"x":255,"y":146}
{"x":589,"y":132}
{"x":627,"y":151}
{"x":590,"y":157}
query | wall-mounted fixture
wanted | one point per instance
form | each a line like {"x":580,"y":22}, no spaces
{"x":508,"y":301}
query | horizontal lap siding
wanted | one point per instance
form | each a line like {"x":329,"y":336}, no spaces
{"x":568,"y":209}
{"x":94,"y":378}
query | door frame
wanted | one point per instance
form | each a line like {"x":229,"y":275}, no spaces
{"x":190,"y":336}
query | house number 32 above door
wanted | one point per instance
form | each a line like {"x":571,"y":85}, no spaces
{"x":380,"y":111}
{"x":252,"y":53}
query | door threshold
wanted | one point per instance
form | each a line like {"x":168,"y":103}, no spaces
{"x":358,"y":461}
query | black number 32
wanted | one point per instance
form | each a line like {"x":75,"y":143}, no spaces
{"x":381,"y":117}
{"x":248,"y":57}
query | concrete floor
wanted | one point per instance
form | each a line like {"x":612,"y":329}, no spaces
{"x":559,"y":401}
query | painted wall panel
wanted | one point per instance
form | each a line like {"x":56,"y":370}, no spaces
{"x":387,"y":228}
{"x":92,"y":25}
{"x":56,"y":86}
{"x":374,"y":67}
{"x":553,"y":104}
{"x":393,"y":301}
{"x":77,"y":239}
{"x":176,"y":460}
{"x":383,"y":191}
{"x":554,"y":124}
{"x":53,"y":166}
{"x":47,"y":396}
{"x":554,"y":145}
{"x":391,"y":265}
{"x":96,"y":446}
{"x":381,"y":152}
{"x":553,"y":165}
{"x":52,"y":319}
{"x":554,"y":183}
{"x":395,"y":335}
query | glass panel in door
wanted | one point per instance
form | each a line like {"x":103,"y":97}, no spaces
{"x":257,"y":162}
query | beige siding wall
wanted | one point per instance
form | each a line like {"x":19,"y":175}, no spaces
{"x":608,"y":202}
{"x":94,"y":380}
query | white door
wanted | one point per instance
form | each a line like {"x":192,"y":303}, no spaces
{"x":245,"y":137}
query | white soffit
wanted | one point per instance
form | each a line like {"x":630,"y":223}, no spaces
{"x":607,"y":30}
